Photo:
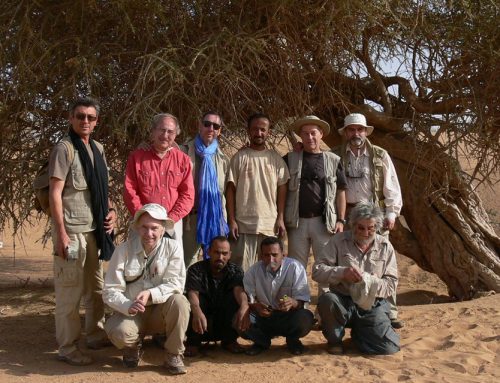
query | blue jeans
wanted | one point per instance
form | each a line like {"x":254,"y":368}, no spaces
{"x":371,"y":329}
{"x":293,"y":325}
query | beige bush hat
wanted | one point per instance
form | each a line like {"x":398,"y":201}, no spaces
{"x":356,"y":119}
{"x":157,"y":212}
{"x":311,"y":120}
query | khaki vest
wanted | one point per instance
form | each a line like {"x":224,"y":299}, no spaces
{"x":221,"y":167}
{"x":331,"y":162}
{"x":376,"y":154}
{"x":76,"y":198}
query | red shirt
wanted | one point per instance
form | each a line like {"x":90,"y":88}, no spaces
{"x":167,"y":181}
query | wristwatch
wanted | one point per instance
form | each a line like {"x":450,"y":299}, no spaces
{"x":343,"y":221}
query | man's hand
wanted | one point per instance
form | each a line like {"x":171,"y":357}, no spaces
{"x":243,"y":318}
{"x":352,"y":274}
{"x":287,"y":303}
{"x":62,"y":245}
{"x":136,"y":307}
{"x":389,"y":223}
{"x":279,"y":227}
{"x":339,"y":227}
{"x":233,"y":227}
{"x":262,"y":310}
{"x":143,"y":297}
{"x":109,"y":221}
{"x":199,"y":321}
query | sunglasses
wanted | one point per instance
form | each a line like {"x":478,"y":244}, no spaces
{"x":208,"y":124}
{"x":83,"y":116}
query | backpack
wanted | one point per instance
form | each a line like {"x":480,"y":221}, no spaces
{"x":41,"y":181}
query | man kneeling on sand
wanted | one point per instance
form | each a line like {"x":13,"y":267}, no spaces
{"x":277,"y":289}
{"x":144,"y":286}
{"x":360,"y":267}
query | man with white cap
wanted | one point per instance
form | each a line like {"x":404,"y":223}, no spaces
{"x":144,"y":286}
{"x":371,"y":177}
{"x":315,"y":204}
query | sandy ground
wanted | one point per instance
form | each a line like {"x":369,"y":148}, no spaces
{"x":442,"y":341}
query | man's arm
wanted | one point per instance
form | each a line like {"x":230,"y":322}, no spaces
{"x":393,"y":199}
{"x":131,"y":186}
{"x":325,"y":268}
{"x":340,"y":202}
{"x":231,"y":209}
{"x":279,"y":226}
{"x":185,"y":192}
{"x":199,"y":319}
{"x":56,"y":187}
{"x":109,"y":222}
{"x":389,"y":280}
{"x":243,"y":313}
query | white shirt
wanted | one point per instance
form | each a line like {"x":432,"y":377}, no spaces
{"x":164,"y":275}
{"x":359,"y":182}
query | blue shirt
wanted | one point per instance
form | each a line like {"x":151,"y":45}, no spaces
{"x":264,"y":287}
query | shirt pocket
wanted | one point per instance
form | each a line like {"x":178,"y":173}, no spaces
{"x":376,"y":266}
{"x":77,"y":176}
{"x":145,"y":177}
{"x":174,"y":178}
{"x":285,"y":289}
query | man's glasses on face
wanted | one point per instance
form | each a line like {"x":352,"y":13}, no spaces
{"x":208,"y":124}
{"x":83,"y":116}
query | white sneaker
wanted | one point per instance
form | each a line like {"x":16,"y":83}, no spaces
{"x":174,"y":364}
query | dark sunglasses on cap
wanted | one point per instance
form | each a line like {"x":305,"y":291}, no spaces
{"x":83,"y":116}
{"x":208,"y":124}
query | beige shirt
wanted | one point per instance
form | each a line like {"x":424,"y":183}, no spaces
{"x":256,"y":174}
{"x":59,"y":164}
{"x":341,"y":252}
{"x":360,"y":187}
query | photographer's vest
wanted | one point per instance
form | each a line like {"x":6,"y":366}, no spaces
{"x":376,"y":154}
{"x":331,"y":162}
{"x":76,"y":198}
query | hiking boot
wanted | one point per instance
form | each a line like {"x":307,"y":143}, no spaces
{"x":132,"y":355}
{"x":174,"y":364}
{"x":75,"y":358}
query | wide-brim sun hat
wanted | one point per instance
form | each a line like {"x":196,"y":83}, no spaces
{"x":311,"y":120}
{"x":356,"y":119}
{"x":157,"y":212}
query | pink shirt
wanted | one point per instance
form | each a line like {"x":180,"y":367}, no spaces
{"x":167,"y":181}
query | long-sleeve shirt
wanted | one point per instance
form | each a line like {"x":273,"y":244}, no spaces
{"x":264,"y":287}
{"x":359,"y":182}
{"x":167,"y":181}
{"x":130,"y":271}
{"x":341,"y":253}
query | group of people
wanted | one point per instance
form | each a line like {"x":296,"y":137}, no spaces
{"x":192,"y":200}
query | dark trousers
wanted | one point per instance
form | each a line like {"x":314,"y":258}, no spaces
{"x":293,"y":325}
{"x":219,"y":322}
{"x":371,"y":330}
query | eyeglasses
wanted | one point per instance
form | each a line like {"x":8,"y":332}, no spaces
{"x":208,"y":124}
{"x":83,"y":116}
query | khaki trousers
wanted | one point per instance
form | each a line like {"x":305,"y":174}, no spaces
{"x":74,"y":280}
{"x":246,"y":249}
{"x":170,"y":318}
{"x":189,"y":242}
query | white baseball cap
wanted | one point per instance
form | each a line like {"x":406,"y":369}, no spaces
{"x":356,"y":119}
{"x":157,"y":212}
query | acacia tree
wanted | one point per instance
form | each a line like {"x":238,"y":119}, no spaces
{"x":423,"y":72}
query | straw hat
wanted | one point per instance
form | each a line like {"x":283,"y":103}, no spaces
{"x":311,"y":120}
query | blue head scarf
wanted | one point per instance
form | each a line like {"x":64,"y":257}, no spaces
{"x":211,"y":222}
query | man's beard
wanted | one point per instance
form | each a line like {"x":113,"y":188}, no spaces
{"x":357,"y":142}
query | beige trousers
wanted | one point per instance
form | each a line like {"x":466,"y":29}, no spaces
{"x":74,"y":280}
{"x":246,"y":249}
{"x":189,"y":242}
{"x":170,"y":318}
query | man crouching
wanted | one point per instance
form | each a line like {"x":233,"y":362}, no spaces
{"x":360,"y":267}
{"x":144,"y":286}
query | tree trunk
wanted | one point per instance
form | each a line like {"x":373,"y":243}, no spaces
{"x":450,"y":232}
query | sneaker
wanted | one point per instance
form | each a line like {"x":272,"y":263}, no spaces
{"x":295,"y":347}
{"x":132,"y":355}
{"x":174,"y":364}
{"x":75,"y":358}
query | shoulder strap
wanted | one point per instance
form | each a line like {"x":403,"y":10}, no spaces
{"x":71,"y":150}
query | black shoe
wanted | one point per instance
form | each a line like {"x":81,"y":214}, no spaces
{"x":132,"y":355}
{"x":295,"y":347}
{"x":255,"y":349}
{"x":335,"y":349}
{"x":397,"y":324}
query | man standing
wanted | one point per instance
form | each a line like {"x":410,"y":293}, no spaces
{"x":160,"y":174}
{"x":360,"y":266}
{"x":315,"y":203}
{"x":207,"y":219}
{"x":277,"y":289}
{"x":214,"y":288}
{"x":371,"y":177}
{"x":144,"y":285}
{"x":256,"y":193}
{"x":82,"y":225}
